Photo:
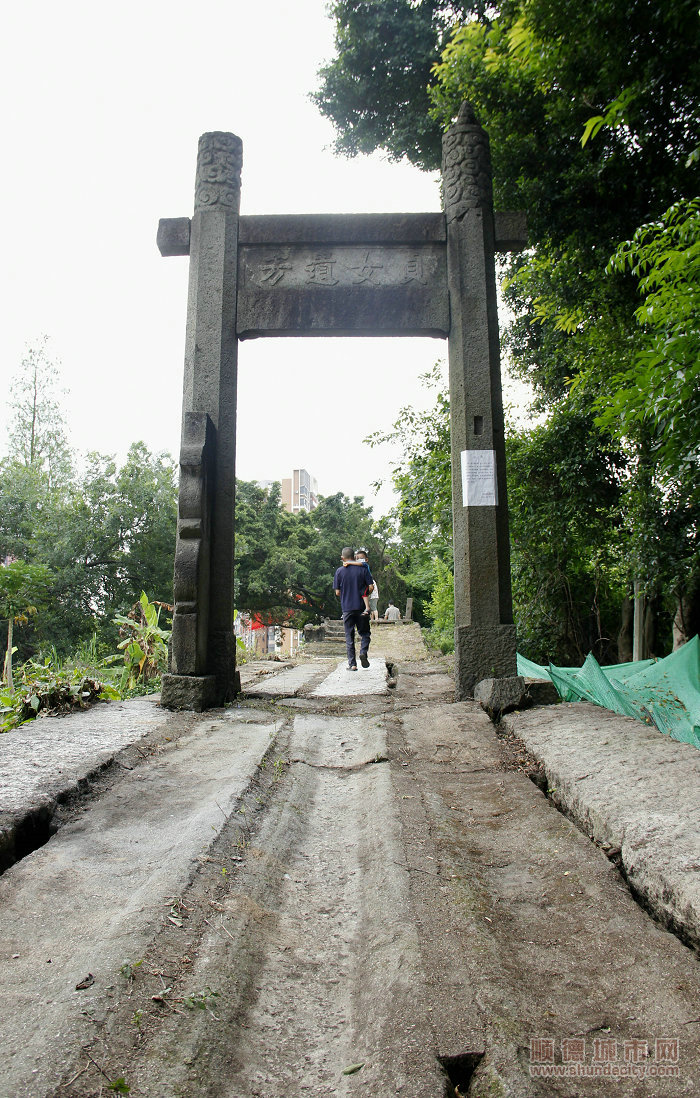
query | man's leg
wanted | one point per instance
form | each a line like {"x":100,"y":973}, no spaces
{"x":363,"y":628}
{"x":349,"y":626}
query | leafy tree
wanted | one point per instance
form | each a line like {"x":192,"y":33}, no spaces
{"x":566,"y":512}
{"x":567,"y":561}
{"x":23,"y":588}
{"x":422,"y":480}
{"x":106,"y":536}
{"x":270,"y":547}
{"x":285,"y":562}
{"x":375,"y":89}
{"x":658,"y":388}
{"x":441,"y":609}
{"x":37,"y":435}
{"x":592,"y":113}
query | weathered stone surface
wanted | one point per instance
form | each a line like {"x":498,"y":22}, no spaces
{"x":483,"y":652}
{"x":343,"y":683}
{"x":41,"y":769}
{"x":210,"y":377}
{"x":287,"y":681}
{"x":193,"y":547}
{"x":484,"y":633}
{"x":498,"y":696}
{"x":196,"y":692}
{"x":431,"y":899}
{"x":466,"y":166}
{"x":541,"y":692}
{"x":219,"y":163}
{"x":313,"y":634}
{"x":174,"y":236}
{"x":342,"y":288}
{"x":401,"y":228}
{"x":510,"y":231}
{"x":222,"y":664}
{"x":634,"y":791}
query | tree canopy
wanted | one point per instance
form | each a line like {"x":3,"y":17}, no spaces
{"x":593,"y":115}
{"x":375,"y":90}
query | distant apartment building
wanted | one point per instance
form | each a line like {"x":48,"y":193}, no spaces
{"x":299,"y":492}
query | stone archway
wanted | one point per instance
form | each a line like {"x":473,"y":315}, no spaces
{"x":338,"y":274}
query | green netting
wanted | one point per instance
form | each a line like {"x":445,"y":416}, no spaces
{"x":663,"y":692}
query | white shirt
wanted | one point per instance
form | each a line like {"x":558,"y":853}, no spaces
{"x":392,"y":613}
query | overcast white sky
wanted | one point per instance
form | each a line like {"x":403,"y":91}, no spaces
{"x":103,"y":109}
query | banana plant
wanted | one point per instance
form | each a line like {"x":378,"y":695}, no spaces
{"x":145,"y":643}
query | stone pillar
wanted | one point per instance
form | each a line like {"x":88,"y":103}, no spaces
{"x":211,"y":366}
{"x":187,"y":684}
{"x":484,"y":630}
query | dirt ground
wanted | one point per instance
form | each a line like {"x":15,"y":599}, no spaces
{"x":327,"y":895}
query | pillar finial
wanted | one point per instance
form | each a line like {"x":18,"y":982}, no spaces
{"x":466,"y":165}
{"x":219,"y":163}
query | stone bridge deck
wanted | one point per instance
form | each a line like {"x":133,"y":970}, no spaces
{"x":326,"y":889}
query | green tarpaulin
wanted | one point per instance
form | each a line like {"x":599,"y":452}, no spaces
{"x":662,"y":692}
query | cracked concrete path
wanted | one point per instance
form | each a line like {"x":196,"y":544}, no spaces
{"x":356,"y":897}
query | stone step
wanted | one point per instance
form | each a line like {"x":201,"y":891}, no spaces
{"x":325,"y":648}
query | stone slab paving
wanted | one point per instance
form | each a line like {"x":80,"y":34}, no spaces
{"x":40,"y":759}
{"x":343,"y":683}
{"x":627,"y":785}
{"x":287,"y":682}
{"x":256,"y":669}
{"x":91,"y":898}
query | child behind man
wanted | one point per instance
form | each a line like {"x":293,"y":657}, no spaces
{"x":362,"y":557}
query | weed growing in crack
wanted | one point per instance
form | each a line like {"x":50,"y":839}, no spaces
{"x":278,"y":767}
{"x":128,"y":969}
{"x":200,"y":1000}
{"x":119,"y":1086}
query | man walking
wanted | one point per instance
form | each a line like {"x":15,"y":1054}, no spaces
{"x":349,"y":585}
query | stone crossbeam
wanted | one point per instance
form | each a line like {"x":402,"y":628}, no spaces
{"x":510,"y":230}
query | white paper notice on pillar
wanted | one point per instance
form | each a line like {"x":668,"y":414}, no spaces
{"x":479,"y":488}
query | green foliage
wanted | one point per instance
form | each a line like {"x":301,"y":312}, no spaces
{"x":54,"y":685}
{"x":592,"y":113}
{"x":540,"y":69}
{"x":285,"y":562}
{"x":659,"y":390}
{"x":567,"y":559}
{"x":128,"y":969}
{"x":21,"y":586}
{"x":200,"y":1000}
{"x":145,"y":643}
{"x":106,"y":536}
{"x":375,"y":89}
{"x":593,"y":134}
{"x":441,"y":610}
{"x":566,"y":509}
{"x":37,"y":435}
{"x":119,"y":1086}
{"x":422,"y":480}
